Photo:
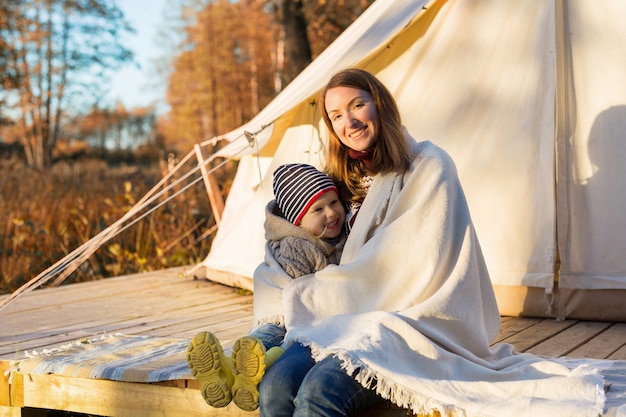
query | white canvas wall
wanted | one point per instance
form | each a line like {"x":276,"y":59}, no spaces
{"x":528,"y":98}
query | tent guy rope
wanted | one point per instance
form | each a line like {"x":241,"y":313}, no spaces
{"x":69,"y":263}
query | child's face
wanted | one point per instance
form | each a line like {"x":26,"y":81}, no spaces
{"x":325,"y":217}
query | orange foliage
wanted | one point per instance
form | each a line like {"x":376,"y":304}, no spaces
{"x":223,"y":75}
{"x":46,"y":215}
{"x":229,"y":63}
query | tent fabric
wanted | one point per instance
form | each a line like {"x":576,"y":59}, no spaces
{"x":592,"y":184}
{"x":527,"y":98}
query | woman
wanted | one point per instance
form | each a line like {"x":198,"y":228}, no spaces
{"x":409,"y":314}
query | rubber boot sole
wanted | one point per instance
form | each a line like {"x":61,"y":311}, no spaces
{"x":249,"y":367}
{"x":211,"y":368}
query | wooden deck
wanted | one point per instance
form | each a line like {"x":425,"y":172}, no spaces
{"x":170,"y":304}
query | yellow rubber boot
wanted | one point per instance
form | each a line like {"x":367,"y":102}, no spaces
{"x":249,"y":366}
{"x":211,"y":368}
{"x":272,"y":356}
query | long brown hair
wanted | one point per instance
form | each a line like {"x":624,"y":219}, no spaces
{"x":391,"y":151}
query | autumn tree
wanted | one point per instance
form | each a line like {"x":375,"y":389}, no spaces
{"x":236,"y":56}
{"x":297,"y":48}
{"x":223,"y":73}
{"x":326,"y":20}
{"x":9,"y":11}
{"x":114,"y":128}
{"x":308,"y":27}
{"x":63,"y":51}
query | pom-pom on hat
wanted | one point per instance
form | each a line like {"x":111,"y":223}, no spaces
{"x":297,"y":187}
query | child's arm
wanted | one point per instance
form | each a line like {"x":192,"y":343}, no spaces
{"x":299,"y":256}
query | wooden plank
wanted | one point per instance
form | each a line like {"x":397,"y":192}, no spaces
{"x":226,"y":321}
{"x":103,"y":323}
{"x":139,"y":295}
{"x":182,"y":325}
{"x":60,"y":310}
{"x":569,"y":339}
{"x":83,"y":318}
{"x":513,"y":325}
{"x":179,"y":324}
{"x":109,"y":286}
{"x":10,"y":411}
{"x":619,"y":354}
{"x":14,"y":393}
{"x":227,"y":278}
{"x":537,"y":333}
{"x":604,"y":345}
{"x":137,"y":289}
{"x":120,"y":399}
{"x":5,"y":388}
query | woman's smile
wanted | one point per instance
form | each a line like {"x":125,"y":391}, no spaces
{"x":358,"y":133}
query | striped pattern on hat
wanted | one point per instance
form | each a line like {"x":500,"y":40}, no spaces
{"x":297,"y":187}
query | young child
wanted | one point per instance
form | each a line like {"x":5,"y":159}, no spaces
{"x":304,"y":229}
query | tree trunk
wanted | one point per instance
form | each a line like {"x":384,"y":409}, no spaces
{"x":297,"y":46}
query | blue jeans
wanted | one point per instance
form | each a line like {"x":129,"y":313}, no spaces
{"x":297,"y":386}
{"x":270,"y":335}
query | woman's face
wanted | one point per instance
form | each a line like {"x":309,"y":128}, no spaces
{"x":354,"y":117}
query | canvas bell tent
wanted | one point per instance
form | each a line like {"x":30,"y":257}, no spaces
{"x":528,"y":97}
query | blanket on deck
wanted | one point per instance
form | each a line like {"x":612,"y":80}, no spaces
{"x":412,"y":308}
{"x":114,"y":357}
{"x":153,"y":359}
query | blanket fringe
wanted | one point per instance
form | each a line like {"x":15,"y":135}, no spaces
{"x":385,"y":388}
{"x":277,"y":319}
{"x":63,"y":348}
{"x":14,"y":366}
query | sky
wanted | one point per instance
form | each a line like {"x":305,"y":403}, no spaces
{"x":132,"y":83}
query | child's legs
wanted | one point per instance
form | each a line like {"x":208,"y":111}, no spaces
{"x":280,"y":384}
{"x":327,"y":390}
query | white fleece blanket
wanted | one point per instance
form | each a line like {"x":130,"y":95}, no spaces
{"x":411,"y":305}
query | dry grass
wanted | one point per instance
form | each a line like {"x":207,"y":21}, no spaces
{"x":45,"y":215}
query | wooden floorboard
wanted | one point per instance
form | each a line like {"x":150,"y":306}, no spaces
{"x":539,"y":332}
{"x":511,"y":326}
{"x":171,"y":304}
{"x":569,"y":339}
{"x":157,"y":304}
{"x":619,"y":354}
{"x":604,"y":345}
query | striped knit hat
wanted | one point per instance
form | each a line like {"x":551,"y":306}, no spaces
{"x":297,"y":187}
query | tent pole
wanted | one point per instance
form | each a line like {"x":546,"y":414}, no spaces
{"x":213,"y":191}
{"x":565,"y":121}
